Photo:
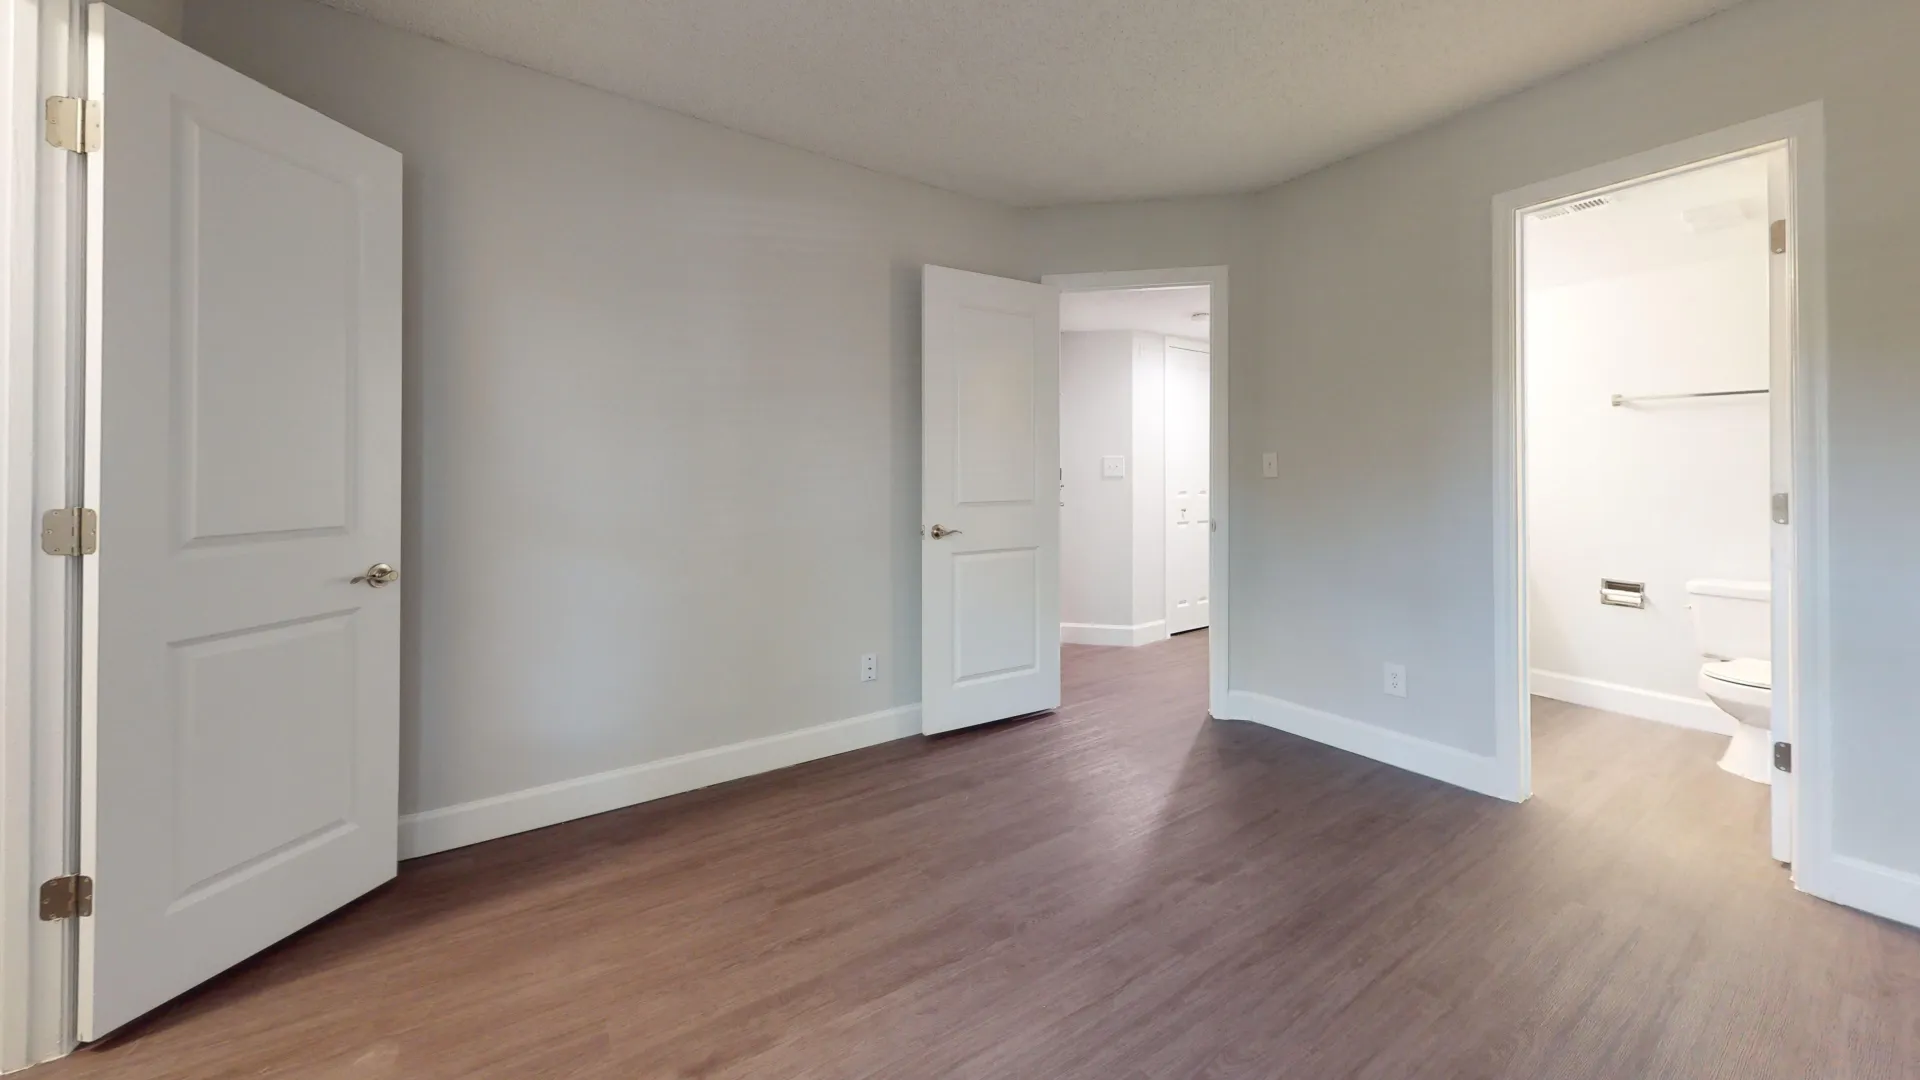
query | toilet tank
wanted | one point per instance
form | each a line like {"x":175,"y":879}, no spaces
{"x":1732,"y":619}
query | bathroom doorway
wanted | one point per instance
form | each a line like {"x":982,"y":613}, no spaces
{"x":1656,"y":375}
{"x":1141,"y":418}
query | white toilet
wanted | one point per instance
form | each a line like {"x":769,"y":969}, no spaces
{"x":1733,"y":621}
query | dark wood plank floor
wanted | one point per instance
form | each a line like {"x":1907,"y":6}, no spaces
{"x":1123,"y":891}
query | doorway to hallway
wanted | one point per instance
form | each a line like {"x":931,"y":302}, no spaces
{"x":1135,"y":475}
{"x":992,"y":474}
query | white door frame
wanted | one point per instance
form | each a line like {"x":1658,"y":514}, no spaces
{"x":1801,"y":132}
{"x":1217,"y":577}
{"x":44,"y":43}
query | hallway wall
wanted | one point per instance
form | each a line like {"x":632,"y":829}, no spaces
{"x":1096,"y":511}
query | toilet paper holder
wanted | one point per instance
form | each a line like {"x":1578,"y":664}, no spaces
{"x":1631,"y":594}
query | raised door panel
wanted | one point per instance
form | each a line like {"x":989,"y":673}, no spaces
{"x":267,"y":272}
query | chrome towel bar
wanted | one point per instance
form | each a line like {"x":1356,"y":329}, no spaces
{"x":1622,"y":399}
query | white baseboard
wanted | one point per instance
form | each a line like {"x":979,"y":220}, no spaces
{"x":1441,"y":762}
{"x":503,"y":815}
{"x":1871,"y":887}
{"x":1696,"y":713}
{"x":1144,"y":633}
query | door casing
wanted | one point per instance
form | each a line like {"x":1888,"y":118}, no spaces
{"x":45,"y":45}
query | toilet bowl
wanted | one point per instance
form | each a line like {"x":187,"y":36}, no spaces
{"x":1734,"y":627}
{"x":1743,"y":689}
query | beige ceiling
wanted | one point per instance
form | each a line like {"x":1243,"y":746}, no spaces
{"x":1034,"y":102}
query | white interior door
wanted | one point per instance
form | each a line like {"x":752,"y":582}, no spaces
{"x":1189,"y":410}
{"x":1780,"y":379}
{"x":990,"y":539}
{"x":239,"y":696}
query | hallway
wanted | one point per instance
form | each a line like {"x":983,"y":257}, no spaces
{"x":1123,"y":890}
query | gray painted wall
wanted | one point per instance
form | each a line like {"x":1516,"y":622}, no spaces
{"x":165,"y":15}
{"x":662,"y":407}
{"x":1113,"y":532}
{"x":726,"y":338}
{"x":1376,"y":375}
{"x":1096,"y":511}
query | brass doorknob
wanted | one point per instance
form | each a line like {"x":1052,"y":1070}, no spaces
{"x":379,"y":575}
{"x":941,"y":532}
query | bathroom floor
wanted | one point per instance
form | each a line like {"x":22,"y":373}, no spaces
{"x":1601,"y":755}
{"x":1122,"y":890}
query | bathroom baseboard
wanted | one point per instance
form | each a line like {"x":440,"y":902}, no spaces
{"x":1696,"y":713}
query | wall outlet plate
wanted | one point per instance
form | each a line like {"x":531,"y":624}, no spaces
{"x":869,"y":668}
{"x":1396,"y":680}
{"x":1113,"y":467}
{"x":1270,"y":465}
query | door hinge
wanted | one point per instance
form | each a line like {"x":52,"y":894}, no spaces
{"x":1782,"y":508}
{"x":1783,"y":756}
{"x":69,"y":897}
{"x":70,"y":532}
{"x":1779,"y":237}
{"x":74,"y":124}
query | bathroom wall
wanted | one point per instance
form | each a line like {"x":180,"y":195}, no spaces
{"x":1665,"y":291}
{"x":1113,"y":545}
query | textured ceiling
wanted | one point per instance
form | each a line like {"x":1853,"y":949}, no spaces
{"x":1153,"y":311}
{"x":1034,"y":102}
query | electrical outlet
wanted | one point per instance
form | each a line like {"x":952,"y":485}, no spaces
{"x":1114,"y":467}
{"x":1396,"y":682}
{"x":869,"y":668}
{"x":1270,"y":465}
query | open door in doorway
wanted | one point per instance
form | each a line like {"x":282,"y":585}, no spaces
{"x":240,"y":680}
{"x":990,"y":539}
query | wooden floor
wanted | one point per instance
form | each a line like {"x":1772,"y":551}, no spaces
{"x":1123,"y":891}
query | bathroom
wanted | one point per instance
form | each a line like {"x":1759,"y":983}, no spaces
{"x":1649,"y":341}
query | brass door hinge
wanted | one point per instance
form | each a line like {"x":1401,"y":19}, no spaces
{"x":74,"y":124}
{"x":69,"y":897}
{"x":1779,"y":237}
{"x":70,"y":532}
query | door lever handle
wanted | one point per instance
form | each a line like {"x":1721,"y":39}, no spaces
{"x":941,"y":532}
{"x":379,"y":575}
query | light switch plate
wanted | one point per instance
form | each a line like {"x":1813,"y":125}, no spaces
{"x":1113,"y":467}
{"x":1270,"y":465}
